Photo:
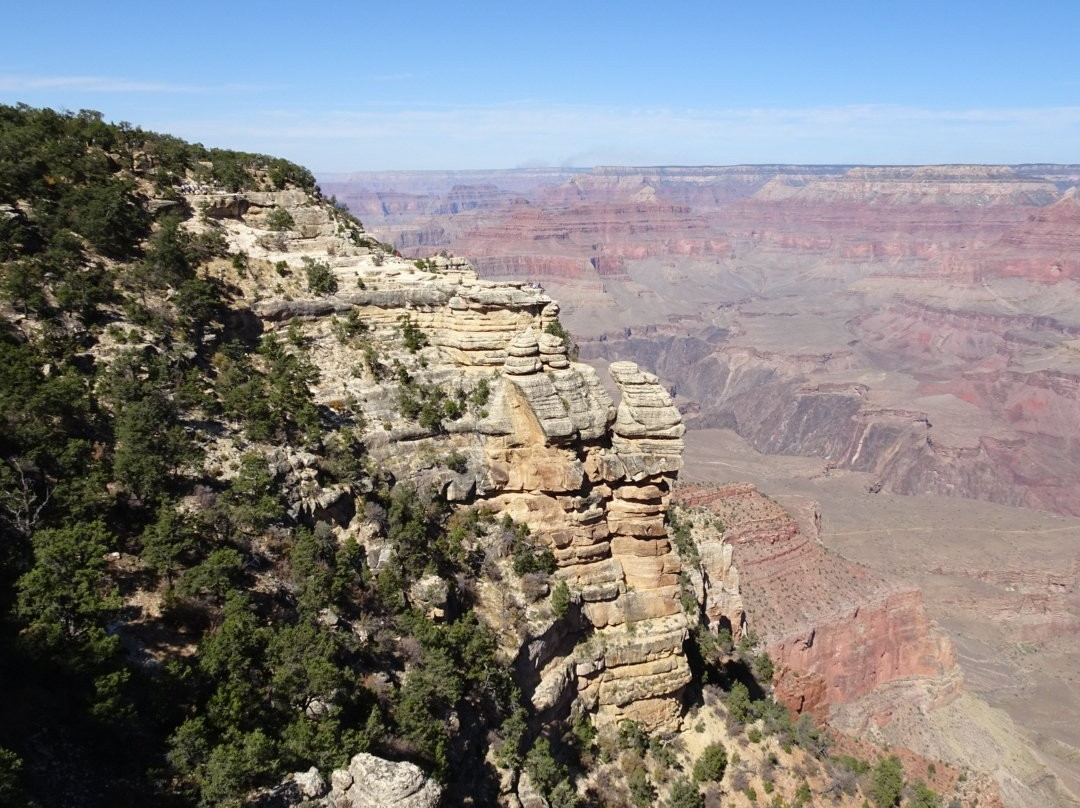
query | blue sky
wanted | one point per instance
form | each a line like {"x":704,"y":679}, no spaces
{"x":423,"y":85}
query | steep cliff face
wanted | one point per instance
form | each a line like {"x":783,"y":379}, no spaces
{"x":837,"y":631}
{"x":599,"y":496}
{"x":548,"y":447}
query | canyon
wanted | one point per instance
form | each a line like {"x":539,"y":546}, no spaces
{"x":914,"y":323}
{"x":587,"y":462}
{"x":898,"y":344}
{"x":384,"y":523}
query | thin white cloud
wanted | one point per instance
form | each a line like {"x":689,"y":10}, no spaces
{"x":91,"y":84}
{"x":107,"y":84}
{"x":507,"y":134}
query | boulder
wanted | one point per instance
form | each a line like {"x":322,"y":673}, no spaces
{"x":310,"y":783}
{"x":372,"y":782}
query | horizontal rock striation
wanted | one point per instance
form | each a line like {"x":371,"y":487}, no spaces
{"x":837,"y":631}
{"x":923,"y":269}
{"x":544,"y":443}
{"x":595,"y":481}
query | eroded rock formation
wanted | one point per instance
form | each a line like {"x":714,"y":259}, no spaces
{"x":596,"y":481}
{"x":547,"y":446}
{"x":837,"y":631}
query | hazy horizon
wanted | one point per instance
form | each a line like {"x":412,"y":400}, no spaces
{"x":667,"y":166}
{"x":423,"y":86}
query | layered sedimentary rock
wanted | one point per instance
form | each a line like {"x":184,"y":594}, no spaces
{"x":595,"y":482}
{"x":543,"y":443}
{"x":837,"y":631}
{"x":612,"y":216}
{"x":666,"y":246}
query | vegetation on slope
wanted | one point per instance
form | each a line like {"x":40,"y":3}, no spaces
{"x":121,"y":359}
{"x":180,"y":637}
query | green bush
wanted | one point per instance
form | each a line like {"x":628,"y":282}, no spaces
{"x":684,"y":794}
{"x":887,"y":782}
{"x":349,"y":327}
{"x":107,"y":215}
{"x":480,"y":394}
{"x":560,"y":600}
{"x":169,"y":542}
{"x":214,"y":578}
{"x":663,"y":753}
{"x":583,"y":734}
{"x":563,"y":795}
{"x":557,"y":329}
{"x":511,"y":736}
{"x":11,"y":792}
{"x":280,"y":219}
{"x":457,"y":664}
{"x":412,"y":335}
{"x":543,"y":770}
{"x":711,"y":764}
{"x":320,"y":279}
{"x":803,"y":795}
{"x":763,"y":668}
{"x":457,"y":462}
{"x":852,"y":764}
{"x":923,"y":797}
{"x":65,"y":597}
{"x":642,"y":791}
{"x":633,"y":736}
{"x":252,"y":502}
{"x":529,"y":558}
{"x":150,"y":448}
{"x":427,"y":404}
{"x":738,"y":703}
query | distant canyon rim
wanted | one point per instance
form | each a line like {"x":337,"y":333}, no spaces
{"x":899,"y":345}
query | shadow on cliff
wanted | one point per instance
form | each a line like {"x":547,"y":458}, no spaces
{"x":721,"y":673}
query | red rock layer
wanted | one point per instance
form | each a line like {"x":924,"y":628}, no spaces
{"x":837,"y":631}
{"x":936,"y":253}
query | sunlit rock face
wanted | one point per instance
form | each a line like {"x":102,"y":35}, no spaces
{"x":839,"y":633}
{"x":547,"y":446}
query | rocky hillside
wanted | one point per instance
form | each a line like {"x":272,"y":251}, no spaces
{"x":288,"y":518}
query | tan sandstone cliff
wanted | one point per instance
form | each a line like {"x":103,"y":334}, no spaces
{"x":548,"y":447}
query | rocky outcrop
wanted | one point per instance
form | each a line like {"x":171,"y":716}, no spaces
{"x":371,"y":782}
{"x":602,"y":509}
{"x":367,"y":782}
{"x":535,"y":436}
{"x":838,"y":632}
